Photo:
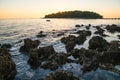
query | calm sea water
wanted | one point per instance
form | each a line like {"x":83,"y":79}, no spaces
{"x":15,"y":30}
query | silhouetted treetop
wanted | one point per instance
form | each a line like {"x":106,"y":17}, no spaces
{"x":75,"y":14}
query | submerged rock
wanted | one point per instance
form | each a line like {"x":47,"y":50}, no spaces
{"x":60,"y":75}
{"x":113,"y":28}
{"x":29,"y":44}
{"x":98,"y":43}
{"x":7,"y":66}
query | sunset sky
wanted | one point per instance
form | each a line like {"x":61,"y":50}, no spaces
{"x":38,"y":8}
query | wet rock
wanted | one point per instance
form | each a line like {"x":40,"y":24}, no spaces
{"x":110,"y":57}
{"x":28,"y":44}
{"x":40,"y":34}
{"x":100,"y":31}
{"x":7,"y":66}
{"x":60,"y":75}
{"x":97,"y":43}
{"x":54,"y":61}
{"x":34,"y":58}
{"x":69,"y":41}
{"x":81,"y":39}
{"x":114,"y":46}
{"x":77,"y":25}
{"x":88,"y":60}
{"x":83,"y":32}
{"x":45,"y":52}
{"x":113,"y":28}
{"x":6,"y":45}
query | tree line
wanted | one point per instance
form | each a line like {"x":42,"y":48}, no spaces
{"x":75,"y":14}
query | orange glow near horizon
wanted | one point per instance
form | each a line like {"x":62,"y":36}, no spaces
{"x":39,"y":8}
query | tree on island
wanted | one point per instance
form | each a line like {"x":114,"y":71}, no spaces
{"x":75,"y":14}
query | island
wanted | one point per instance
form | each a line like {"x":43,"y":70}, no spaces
{"x":75,"y":14}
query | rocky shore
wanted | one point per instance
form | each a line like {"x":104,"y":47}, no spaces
{"x":99,"y":54}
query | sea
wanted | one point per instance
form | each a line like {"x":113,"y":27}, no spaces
{"x":14,"y":31}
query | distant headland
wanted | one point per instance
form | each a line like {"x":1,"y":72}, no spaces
{"x":75,"y":14}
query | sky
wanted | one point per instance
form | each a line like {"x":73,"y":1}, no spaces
{"x":39,"y":8}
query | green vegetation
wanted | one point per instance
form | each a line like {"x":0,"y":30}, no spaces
{"x":75,"y":14}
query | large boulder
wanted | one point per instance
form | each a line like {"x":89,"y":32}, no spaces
{"x":29,"y":44}
{"x":113,"y":28}
{"x":98,"y":43}
{"x":7,"y":66}
{"x":60,"y":75}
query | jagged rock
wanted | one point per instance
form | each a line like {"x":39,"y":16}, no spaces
{"x":7,"y":46}
{"x":60,"y":75}
{"x":7,"y":66}
{"x":113,"y":28}
{"x":28,"y":44}
{"x":97,"y":43}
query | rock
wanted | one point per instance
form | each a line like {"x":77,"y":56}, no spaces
{"x":28,"y":44}
{"x":81,"y":39}
{"x":60,"y":34}
{"x":7,"y":66}
{"x":113,"y":28}
{"x":87,"y":27}
{"x":69,"y":41}
{"x":97,"y":43}
{"x":34,"y":58}
{"x":6,"y":45}
{"x":60,"y":75}
{"x":88,"y":60}
{"x":83,"y":32}
{"x":40,"y":34}
{"x":114,"y":46}
{"x":48,"y":20}
{"x":77,"y":25}
{"x":110,"y":58}
{"x":100,"y":31}
{"x":45,"y":52}
{"x":54,"y":61}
